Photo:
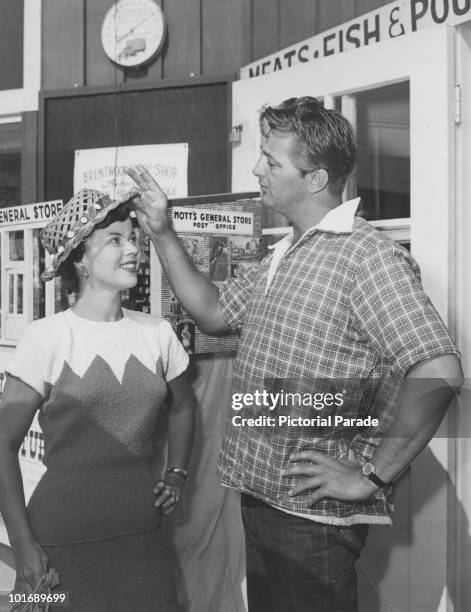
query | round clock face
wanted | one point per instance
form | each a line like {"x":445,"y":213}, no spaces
{"x":133,"y":32}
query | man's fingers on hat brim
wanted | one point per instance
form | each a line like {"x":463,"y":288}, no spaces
{"x":135,"y":202}
{"x":137,"y":177}
{"x":148,"y":179}
{"x":146,"y":176}
{"x":133,"y":174}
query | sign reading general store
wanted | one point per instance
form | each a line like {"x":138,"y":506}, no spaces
{"x":29,"y":213}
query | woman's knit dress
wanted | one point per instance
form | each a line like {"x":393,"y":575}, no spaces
{"x":102,"y":385}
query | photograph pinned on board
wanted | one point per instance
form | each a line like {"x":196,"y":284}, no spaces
{"x":245,"y":248}
{"x":241,"y":267}
{"x":194,"y":246}
{"x":218,"y":258}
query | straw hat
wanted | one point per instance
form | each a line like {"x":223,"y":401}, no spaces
{"x":75,"y":222}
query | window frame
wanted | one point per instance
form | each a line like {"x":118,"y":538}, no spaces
{"x":16,"y":101}
{"x":26,"y":267}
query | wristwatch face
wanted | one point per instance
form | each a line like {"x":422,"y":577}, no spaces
{"x":133,"y":32}
{"x":368,"y":469}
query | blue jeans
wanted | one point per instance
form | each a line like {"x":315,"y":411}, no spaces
{"x":298,"y":565}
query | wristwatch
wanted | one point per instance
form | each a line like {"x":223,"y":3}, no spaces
{"x":369,"y":471}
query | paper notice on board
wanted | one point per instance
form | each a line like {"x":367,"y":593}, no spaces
{"x":103,"y":168}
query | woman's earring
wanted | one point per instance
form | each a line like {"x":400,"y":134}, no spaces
{"x":83,"y":271}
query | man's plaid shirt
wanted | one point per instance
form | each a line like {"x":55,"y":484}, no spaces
{"x":340,"y":311}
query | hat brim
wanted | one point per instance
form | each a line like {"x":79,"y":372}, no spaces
{"x":53,"y":268}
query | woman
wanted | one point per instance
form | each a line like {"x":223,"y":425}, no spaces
{"x":98,"y":375}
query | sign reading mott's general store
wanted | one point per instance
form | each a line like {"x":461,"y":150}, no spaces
{"x":29,"y":213}
{"x":391,"y":21}
{"x":192,"y":220}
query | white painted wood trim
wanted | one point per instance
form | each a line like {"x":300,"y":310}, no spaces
{"x":14,"y":101}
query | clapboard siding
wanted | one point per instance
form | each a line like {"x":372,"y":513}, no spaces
{"x":183,"y":47}
{"x":221,"y":36}
{"x":205,"y":37}
{"x":63,"y":44}
{"x":298,"y":24}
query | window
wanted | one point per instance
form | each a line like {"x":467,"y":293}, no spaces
{"x":10,"y":164}
{"x":383,"y":166}
{"x":23,"y":295}
{"x":20,"y":50}
{"x":11,"y":44}
{"x":381,"y":117}
{"x":13,"y":289}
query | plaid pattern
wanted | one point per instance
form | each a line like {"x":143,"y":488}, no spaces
{"x":344,"y":313}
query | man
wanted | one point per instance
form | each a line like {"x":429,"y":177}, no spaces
{"x":334,"y":323}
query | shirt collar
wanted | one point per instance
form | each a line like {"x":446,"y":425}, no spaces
{"x":337,"y":221}
{"x":340,"y":219}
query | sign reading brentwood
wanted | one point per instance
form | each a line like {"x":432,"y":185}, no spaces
{"x":29,"y":213}
{"x":393,"y":20}
{"x":104,"y":168}
{"x":204,"y":220}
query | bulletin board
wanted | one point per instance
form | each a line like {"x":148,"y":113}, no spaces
{"x":222,"y":235}
{"x":195,"y":111}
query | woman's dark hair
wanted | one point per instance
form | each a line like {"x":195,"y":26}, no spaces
{"x":67,"y":270}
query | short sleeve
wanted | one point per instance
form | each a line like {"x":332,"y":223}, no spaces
{"x":234,"y":295}
{"x":394,"y":312}
{"x":176,"y":359}
{"x":31,"y":361}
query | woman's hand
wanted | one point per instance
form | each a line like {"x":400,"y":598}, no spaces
{"x":31,"y":564}
{"x":151,"y":205}
{"x":168,"y":492}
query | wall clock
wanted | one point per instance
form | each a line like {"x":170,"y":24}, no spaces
{"x":133,"y":32}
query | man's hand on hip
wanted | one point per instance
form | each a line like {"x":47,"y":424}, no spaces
{"x":151,"y":205}
{"x":328,"y":477}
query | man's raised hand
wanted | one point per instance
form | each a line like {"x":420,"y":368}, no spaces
{"x":151,"y":204}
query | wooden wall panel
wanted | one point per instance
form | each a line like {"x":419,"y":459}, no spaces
{"x":205,"y":37}
{"x":221,"y":36}
{"x":11,"y":44}
{"x":99,"y":70}
{"x":74,"y":124}
{"x":62,"y":56}
{"x":194,"y":113}
{"x":365,"y":6}
{"x":330,"y":14}
{"x":265,"y":27}
{"x":150,"y":72}
{"x":182,"y":51}
{"x":197,"y":114}
{"x":270,"y":25}
{"x":298,"y":20}
{"x":247,"y":32}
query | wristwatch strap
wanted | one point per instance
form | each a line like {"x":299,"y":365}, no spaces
{"x":377,"y":481}
{"x":368,"y":470}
